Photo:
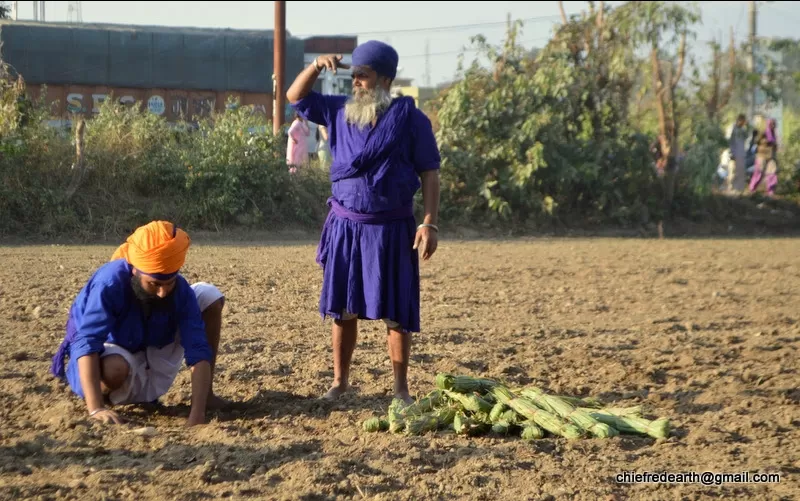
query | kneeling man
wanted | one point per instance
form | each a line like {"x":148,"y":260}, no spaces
{"x":135,"y":321}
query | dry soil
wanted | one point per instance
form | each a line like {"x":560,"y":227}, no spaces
{"x":705,"y":332}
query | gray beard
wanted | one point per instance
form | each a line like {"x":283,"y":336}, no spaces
{"x":364,"y":107}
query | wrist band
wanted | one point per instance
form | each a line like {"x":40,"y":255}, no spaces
{"x":101,"y":409}
{"x":426,"y":225}
{"x":316,"y":66}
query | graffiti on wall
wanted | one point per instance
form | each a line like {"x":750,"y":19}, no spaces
{"x":75,"y":102}
{"x":180,"y":106}
{"x":202,"y":107}
{"x":171,"y":104}
{"x":156,"y":104}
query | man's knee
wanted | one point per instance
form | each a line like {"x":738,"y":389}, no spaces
{"x":215,"y":308}
{"x":347,"y":316}
{"x":209,"y":297}
{"x":391,"y":324}
{"x":114,"y":370}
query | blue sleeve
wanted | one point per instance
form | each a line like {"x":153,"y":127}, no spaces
{"x":193,"y":329}
{"x":99,"y":318}
{"x":319,"y":109}
{"x":426,"y":151}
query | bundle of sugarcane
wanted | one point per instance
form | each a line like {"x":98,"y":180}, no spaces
{"x":634,"y":424}
{"x":636,"y":410}
{"x":477,"y":406}
{"x":464,"y":384}
{"x":539,"y":416}
{"x":472,"y":402}
{"x":397,"y":421}
{"x":564,"y":409}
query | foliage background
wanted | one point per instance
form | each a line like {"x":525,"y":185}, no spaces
{"x":561,"y":135}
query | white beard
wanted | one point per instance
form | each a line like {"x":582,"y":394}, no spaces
{"x":364,"y":106}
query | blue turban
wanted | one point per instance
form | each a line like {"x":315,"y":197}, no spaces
{"x":377,"y":55}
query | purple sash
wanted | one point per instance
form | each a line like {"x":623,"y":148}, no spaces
{"x":338,"y":210}
{"x":376,"y":218}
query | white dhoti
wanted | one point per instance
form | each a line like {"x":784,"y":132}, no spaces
{"x":153,"y":371}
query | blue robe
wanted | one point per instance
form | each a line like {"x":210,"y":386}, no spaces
{"x":107,"y":311}
{"x":366,"y":247}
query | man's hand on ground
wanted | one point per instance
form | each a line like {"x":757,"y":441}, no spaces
{"x":107,"y":416}
{"x":201,"y":388}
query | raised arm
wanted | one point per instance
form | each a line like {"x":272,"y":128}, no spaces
{"x":311,"y":105}
{"x":305,"y":81}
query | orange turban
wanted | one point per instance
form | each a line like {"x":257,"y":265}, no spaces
{"x":157,"y":249}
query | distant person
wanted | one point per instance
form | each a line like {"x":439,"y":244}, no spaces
{"x":297,"y":147}
{"x":384,"y":150}
{"x":766,"y":167}
{"x":725,"y":169}
{"x":753,"y":146}
{"x":323,"y":147}
{"x":737,"y":139}
{"x":659,"y":159}
{"x":136,"y":321}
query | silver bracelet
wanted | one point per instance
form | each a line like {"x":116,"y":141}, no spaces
{"x":317,"y":67}
{"x":101,"y":409}
{"x":426,"y":225}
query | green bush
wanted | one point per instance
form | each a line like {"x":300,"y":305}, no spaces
{"x":789,"y":155}
{"x":35,"y":164}
{"x":230,"y":171}
{"x":533,"y":139}
{"x":236,"y":173}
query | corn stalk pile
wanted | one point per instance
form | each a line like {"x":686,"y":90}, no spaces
{"x":479,"y":406}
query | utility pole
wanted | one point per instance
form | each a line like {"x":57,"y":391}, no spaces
{"x":751,"y":60}
{"x":74,"y":14}
{"x":41,"y":9}
{"x":36,"y":11}
{"x":279,"y":65}
{"x":427,"y":63}
{"x":15,"y":11}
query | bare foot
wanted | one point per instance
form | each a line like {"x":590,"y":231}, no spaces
{"x":404,"y":396}
{"x":217,"y":403}
{"x":335,"y":392}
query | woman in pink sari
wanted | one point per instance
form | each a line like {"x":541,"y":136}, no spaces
{"x":297,"y":149}
{"x":766,"y":159}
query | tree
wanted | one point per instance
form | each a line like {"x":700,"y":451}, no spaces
{"x":555,"y":133}
{"x":664,"y":27}
{"x":5,"y":10}
{"x":529,"y":132}
{"x":716,"y":93}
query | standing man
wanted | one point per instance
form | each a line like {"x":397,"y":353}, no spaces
{"x":383,"y":151}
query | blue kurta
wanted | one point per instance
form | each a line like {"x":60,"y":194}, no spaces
{"x":366,"y":248}
{"x":107,"y":311}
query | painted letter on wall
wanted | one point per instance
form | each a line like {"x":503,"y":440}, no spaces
{"x":97,"y":100}
{"x":75,"y":103}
